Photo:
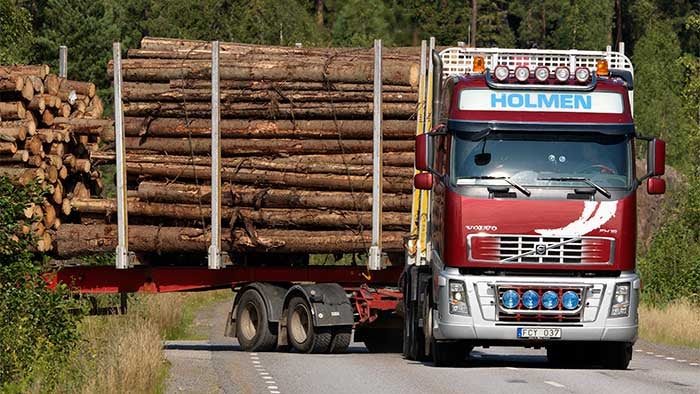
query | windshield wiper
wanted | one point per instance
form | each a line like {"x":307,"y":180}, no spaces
{"x":516,"y":185}
{"x":587,"y":181}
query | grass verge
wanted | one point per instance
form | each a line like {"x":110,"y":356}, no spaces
{"x":123,"y":353}
{"x":673,"y":324}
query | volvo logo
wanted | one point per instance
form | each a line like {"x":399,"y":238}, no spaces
{"x":540,"y":249}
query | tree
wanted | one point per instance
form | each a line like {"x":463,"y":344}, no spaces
{"x":359,"y":22}
{"x":584,"y":24}
{"x":16,"y":36}
{"x":493,"y":28}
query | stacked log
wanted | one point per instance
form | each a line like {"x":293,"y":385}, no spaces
{"x":48,"y":128}
{"x":296,"y":128}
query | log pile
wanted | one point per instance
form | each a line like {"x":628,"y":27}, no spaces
{"x":296,"y":145}
{"x":48,"y":128}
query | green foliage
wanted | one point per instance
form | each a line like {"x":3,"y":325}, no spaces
{"x":37,"y":328}
{"x":584,"y":24}
{"x":671,"y":267}
{"x":16,"y":36}
{"x":359,"y":22}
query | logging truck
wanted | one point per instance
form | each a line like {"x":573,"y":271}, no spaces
{"x":522,"y":233}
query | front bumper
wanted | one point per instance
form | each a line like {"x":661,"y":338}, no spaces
{"x":482,"y":324}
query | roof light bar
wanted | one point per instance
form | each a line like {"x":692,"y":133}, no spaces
{"x":582,"y":74}
{"x":542,"y":73}
{"x":501,"y":73}
{"x":562,"y":74}
{"x":522,"y":74}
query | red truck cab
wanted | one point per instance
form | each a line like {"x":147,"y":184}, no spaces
{"x":531,"y":230}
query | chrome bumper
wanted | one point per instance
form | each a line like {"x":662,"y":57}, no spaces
{"x":482,"y":323}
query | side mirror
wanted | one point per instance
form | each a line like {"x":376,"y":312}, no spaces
{"x":656,"y":186}
{"x":656,"y":160}
{"x":423,"y":152}
{"x":423,"y":181}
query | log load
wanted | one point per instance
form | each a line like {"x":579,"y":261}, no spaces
{"x":47,"y":124}
{"x":296,"y":141}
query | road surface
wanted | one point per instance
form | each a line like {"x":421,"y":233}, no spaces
{"x":217,"y":365}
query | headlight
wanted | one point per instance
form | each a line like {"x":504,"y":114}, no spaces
{"x":621,"y":300}
{"x":550,"y":300}
{"x":531,"y":299}
{"x":562,"y":74}
{"x":542,"y":73}
{"x":458,"y":298}
{"x":501,"y":73}
{"x":582,"y":74}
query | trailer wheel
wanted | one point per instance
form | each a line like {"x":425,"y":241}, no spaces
{"x":341,"y":339}
{"x":252,"y":327}
{"x":448,"y":354}
{"x":616,"y":355}
{"x":301,"y":333}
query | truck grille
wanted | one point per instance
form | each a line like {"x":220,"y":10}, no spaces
{"x":533,"y":249}
{"x":540,"y":314}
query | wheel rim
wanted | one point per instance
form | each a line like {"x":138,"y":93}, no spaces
{"x":299,"y":324}
{"x":249,"y":321}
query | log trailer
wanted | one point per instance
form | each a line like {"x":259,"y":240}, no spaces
{"x":523,"y":225}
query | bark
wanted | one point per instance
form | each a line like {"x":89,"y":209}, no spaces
{"x":21,"y":156}
{"x":11,"y":83}
{"x":16,"y":133}
{"x":196,"y":146}
{"x":37,"y":104}
{"x":286,"y":85}
{"x":84,"y":88}
{"x":268,"y":217}
{"x":8,"y":148}
{"x":84,"y":126}
{"x":391,"y":159}
{"x":23,"y":175}
{"x":174,"y":44}
{"x":12,"y":110}
{"x":40,"y":70}
{"x":241,"y":128}
{"x":320,"y":110}
{"x":140,"y":91}
{"x":238,"y":195}
{"x":269,"y":178}
{"x":273,"y":164}
{"x":77,"y":239}
{"x":52,"y":83}
{"x":394,"y":72}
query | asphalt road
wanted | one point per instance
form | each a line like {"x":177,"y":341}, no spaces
{"x":218,"y":365}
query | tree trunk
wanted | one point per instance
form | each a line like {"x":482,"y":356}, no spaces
{"x":238,"y":195}
{"x":242,"y":128}
{"x":275,"y":147}
{"x":269,"y":178}
{"x":302,"y":110}
{"x":140,"y":91}
{"x":285,"y":85}
{"x":472,"y":37}
{"x":11,"y":83}
{"x":39,"y":70}
{"x":13,"y":110}
{"x":272,"y":164}
{"x":319,"y":12}
{"x":268,"y":217}
{"x":394,"y":72}
{"x":76,"y":239}
{"x":85,"y":88}
{"x":21,"y":156}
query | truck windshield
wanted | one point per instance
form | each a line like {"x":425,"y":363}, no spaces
{"x":542,"y":159}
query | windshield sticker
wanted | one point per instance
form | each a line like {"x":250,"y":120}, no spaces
{"x":594,"y":215}
{"x":513,"y":100}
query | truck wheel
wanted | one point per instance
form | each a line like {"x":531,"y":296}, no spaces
{"x":616,"y":355}
{"x":302,"y":334}
{"x":341,"y":340}
{"x":448,"y":354}
{"x":252,"y":327}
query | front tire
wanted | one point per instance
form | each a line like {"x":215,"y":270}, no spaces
{"x":448,"y":354}
{"x":252,"y":327}
{"x":617,"y":355}
{"x":301,"y":333}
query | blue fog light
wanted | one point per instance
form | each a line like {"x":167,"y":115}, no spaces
{"x":531,"y":299}
{"x":570,"y":300}
{"x":550,"y":300}
{"x":510,"y":299}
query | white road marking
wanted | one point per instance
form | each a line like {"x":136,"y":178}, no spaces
{"x":264,"y":373}
{"x":650,"y":353}
{"x":670,"y":358}
{"x":267,"y":377}
{"x":274,"y":392}
{"x":256,"y":362}
{"x":512,"y":369}
{"x":659,"y":355}
{"x":555,"y":384}
{"x":681,"y":361}
{"x":694,"y":364}
{"x":253,"y":354}
{"x":272,"y":387}
{"x":638,"y":350}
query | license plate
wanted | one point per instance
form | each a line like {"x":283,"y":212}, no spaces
{"x":539,"y":332}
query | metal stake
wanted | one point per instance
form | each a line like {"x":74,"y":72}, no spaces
{"x":63,"y":61}
{"x":123,"y":256}
{"x":375,"y":251}
{"x":215,"y":247}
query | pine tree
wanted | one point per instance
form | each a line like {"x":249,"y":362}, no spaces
{"x":359,"y":22}
{"x":16,"y":36}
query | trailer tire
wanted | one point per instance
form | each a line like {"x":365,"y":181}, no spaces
{"x":301,"y":333}
{"x":341,"y":339}
{"x":252,"y":327}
